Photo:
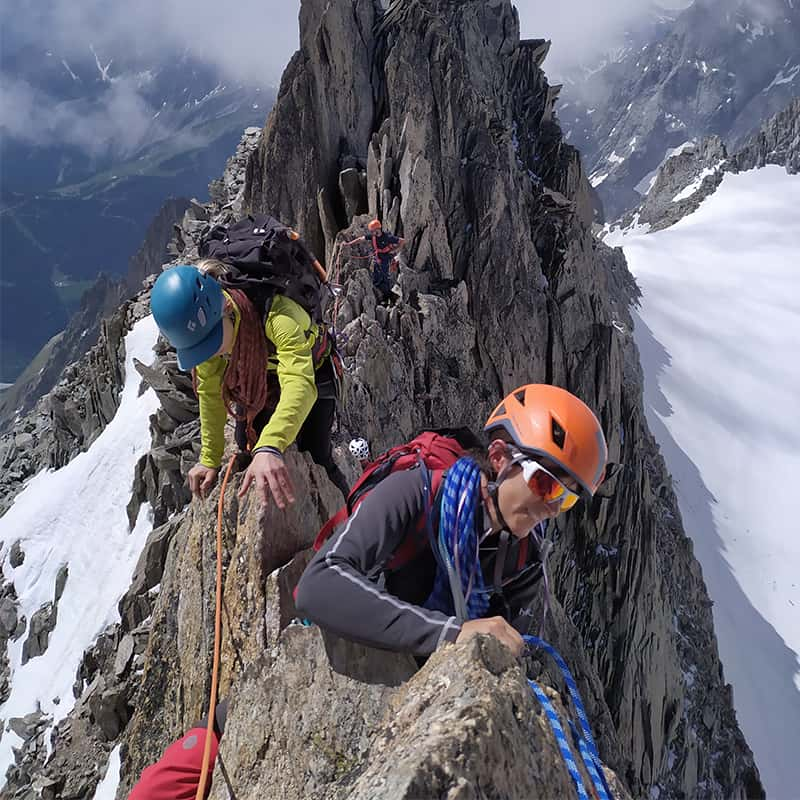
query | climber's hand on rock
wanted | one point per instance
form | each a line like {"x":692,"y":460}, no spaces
{"x":494,"y":626}
{"x":269,"y":474}
{"x":201,"y":480}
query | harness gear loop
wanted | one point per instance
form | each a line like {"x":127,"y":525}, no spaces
{"x":212,"y":703}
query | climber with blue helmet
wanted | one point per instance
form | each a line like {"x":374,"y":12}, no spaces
{"x":274,"y":375}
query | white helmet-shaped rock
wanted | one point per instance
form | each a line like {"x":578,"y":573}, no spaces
{"x":360,"y":449}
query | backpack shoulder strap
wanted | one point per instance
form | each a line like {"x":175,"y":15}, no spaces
{"x":423,"y":535}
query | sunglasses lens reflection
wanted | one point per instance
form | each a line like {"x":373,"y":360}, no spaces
{"x":550,"y":489}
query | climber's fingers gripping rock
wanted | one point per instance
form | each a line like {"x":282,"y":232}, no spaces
{"x":269,"y":474}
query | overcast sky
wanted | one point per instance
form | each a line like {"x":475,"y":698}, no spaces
{"x":252,"y":44}
{"x":256,"y":41}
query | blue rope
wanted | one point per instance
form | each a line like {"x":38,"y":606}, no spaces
{"x":561,"y":738}
{"x":593,"y":767}
{"x":459,"y":588}
{"x":535,"y":641}
{"x":586,"y":744}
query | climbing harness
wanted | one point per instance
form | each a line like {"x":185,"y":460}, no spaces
{"x":212,"y":703}
{"x":585,"y":743}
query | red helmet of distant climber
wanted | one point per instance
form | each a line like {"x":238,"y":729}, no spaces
{"x":550,"y":422}
{"x":374,"y":225}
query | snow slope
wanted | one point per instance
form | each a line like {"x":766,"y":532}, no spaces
{"x":77,"y":516}
{"x":107,"y":788}
{"x":719,"y":331}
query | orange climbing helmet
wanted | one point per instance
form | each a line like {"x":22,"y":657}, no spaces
{"x":550,"y":422}
{"x":374,"y":224}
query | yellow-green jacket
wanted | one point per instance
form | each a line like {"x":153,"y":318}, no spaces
{"x":293,"y":335}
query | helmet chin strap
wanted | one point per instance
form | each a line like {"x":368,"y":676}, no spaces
{"x":491,"y":497}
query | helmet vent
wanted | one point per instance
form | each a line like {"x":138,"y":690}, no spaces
{"x":520,"y":396}
{"x":558,"y":433}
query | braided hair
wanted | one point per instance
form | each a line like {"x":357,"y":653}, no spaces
{"x":244,"y":387}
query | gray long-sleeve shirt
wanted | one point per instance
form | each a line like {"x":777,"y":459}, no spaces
{"x":348,"y":589}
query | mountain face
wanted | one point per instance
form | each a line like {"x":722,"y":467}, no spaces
{"x":435,"y":116}
{"x":99,"y":142}
{"x":718,"y":68}
{"x":713,"y":248}
{"x":687,"y":178}
{"x":98,"y":302}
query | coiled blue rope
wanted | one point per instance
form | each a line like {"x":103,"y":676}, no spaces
{"x":459,"y":588}
{"x":593,"y":766}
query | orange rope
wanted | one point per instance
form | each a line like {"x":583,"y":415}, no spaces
{"x":338,"y":272}
{"x":212,"y":704}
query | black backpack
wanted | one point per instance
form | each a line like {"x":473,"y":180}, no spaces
{"x":266,"y":258}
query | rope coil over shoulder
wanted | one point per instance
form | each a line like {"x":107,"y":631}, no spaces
{"x":459,"y":587}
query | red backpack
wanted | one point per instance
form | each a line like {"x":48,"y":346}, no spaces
{"x":438,"y":451}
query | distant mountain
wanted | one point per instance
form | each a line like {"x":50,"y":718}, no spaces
{"x":689,"y":177}
{"x":719,"y":67}
{"x":96,"y":147}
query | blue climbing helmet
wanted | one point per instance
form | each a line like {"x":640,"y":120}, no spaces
{"x":187,"y":306}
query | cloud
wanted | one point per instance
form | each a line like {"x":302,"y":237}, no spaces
{"x":248,"y":46}
{"x":116,"y":124}
{"x":253,"y":40}
{"x":583,"y":30}
{"x":250,"y":42}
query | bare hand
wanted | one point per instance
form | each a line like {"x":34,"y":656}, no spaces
{"x":201,"y":479}
{"x":269,"y":472}
{"x":494,"y":626}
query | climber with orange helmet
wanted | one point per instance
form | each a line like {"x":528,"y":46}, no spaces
{"x":478,"y":568}
{"x":546,"y":450}
{"x":384,"y":248}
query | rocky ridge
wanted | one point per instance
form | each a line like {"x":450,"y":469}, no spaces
{"x":503,"y":284}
